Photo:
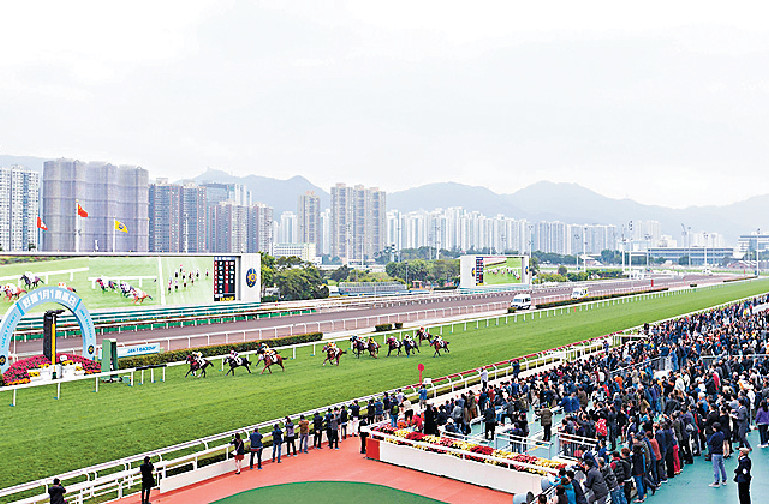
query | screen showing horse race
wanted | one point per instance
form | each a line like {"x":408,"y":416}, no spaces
{"x":494,"y":271}
{"x":105,"y":282}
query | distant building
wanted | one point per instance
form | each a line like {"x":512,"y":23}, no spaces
{"x":358,"y":222}
{"x":217,"y":193}
{"x":108,"y":193}
{"x":289,"y":228}
{"x":696,"y":256}
{"x":260,"y":237}
{"x":753,"y":242}
{"x":304,"y":251}
{"x":165,"y":217}
{"x":19,"y":193}
{"x":229,"y":227}
{"x":309,"y":220}
{"x":193,"y":218}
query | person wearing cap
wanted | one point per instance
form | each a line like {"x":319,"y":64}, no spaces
{"x":716,"y":452}
{"x":742,"y":476}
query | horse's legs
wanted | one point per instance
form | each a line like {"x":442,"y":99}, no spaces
{"x":248,"y":368}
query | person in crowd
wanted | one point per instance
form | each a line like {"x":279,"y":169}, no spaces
{"x":290,"y":437}
{"x":762,"y":422}
{"x":238,"y":452}
{"x":716,"y":451}
{"x":317,"y":431}
{"x":147,"y":470}
{"x":256,"y":448}
{"x":742,"y":476}
{"x":56,"y":493}
{"x":304,"y":434}
{"x":277,"y":441}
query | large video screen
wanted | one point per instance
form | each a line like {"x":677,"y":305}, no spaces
{"x":502,"y":270}
{"x":104,"y":282}
{"x":493,"y":271}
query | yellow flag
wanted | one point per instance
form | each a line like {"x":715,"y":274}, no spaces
{"x":119,"y":226}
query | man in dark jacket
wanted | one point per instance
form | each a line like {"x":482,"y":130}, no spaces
{"x":56,"y":492}
{"x":546,"y":420}
{"x":317,"y":430}
{"x":742,"y":476}
{"x":489,"y":422}
{"x":595,"y":482}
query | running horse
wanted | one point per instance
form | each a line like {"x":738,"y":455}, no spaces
{"x":13,"y":292}
{"x":373,"y":348}
{"x":271,"y":359}
{"x":440,"y":345}
{"x":139,"y":296}
{"x":235,"y":362}
{"x":394,"y":344}
{"x":424,"y":335}
{"x":30,"y":280}
{"x":197,"y":365}
{"x":332,"y":354}
{"x":358,"y":346}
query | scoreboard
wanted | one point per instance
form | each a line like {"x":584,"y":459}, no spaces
{"x":224,"y":278}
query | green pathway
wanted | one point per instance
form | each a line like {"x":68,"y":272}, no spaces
{"x":327,"y":492}
{"x":691,"y":486}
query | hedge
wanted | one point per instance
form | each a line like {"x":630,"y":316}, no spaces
{"x":207,"y":351}
{"x":399,"y":325}
{"x":383,"y":327}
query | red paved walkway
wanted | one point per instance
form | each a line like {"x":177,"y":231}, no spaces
{"x":345,"y":464}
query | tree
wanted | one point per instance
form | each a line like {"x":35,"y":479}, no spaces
{"x":301,"y":283}
{"x":268,"y":271}
{"x":341,"y":274}
{"x":562,"y":270}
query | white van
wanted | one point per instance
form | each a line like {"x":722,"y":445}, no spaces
{"x":521,"y":302}
{"x":579,"y":293}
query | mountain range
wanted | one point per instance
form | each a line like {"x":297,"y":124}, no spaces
{"x":551,"y":201}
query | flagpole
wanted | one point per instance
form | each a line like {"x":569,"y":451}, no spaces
{"x":77,"y":226}
{"x":114,"y":234}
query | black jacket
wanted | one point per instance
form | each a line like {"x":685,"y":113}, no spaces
{"x":742,"y":472}
{"x":56,"y":492}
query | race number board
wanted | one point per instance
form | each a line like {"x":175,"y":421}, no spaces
{"x":224,"y":279}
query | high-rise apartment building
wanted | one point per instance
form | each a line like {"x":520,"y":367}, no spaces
{"x":308,"y":215}
{"x":230,"y":227}
{"x":108,"y":193}
{"x":165,"y":217}
{"x":358,"y":222}
{"x":261,"y":236}
{"x":289,"y":228}
{"x":19,"y":193}
{"x":178,"y":217}
{"x":194,"y":220}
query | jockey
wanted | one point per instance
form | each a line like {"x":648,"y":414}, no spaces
{"x":331,"y":344}
{"x":198,"y":357}
{"x":233,"y":353}
{"x":438,"y":339}
{"x":407,"y":338}
{"x":371,"y":340}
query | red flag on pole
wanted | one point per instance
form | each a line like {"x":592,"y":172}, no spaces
{"x":41,"y":224}
{"x":81,"y":212}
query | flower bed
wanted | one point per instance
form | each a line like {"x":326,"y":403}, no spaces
{"x":19,"y":372}
{"x":440,"y":444}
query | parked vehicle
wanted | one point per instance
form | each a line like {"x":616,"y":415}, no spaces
{"x":521,"y":302}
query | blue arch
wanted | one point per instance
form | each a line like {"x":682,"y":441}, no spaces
{"x":65,"y":298}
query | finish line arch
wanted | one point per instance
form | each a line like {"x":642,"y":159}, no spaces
{"x":65,"y":298}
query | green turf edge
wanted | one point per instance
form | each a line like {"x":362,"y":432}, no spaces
{"x":413,"y":497}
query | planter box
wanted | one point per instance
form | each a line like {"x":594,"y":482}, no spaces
{"x":477,"y":473}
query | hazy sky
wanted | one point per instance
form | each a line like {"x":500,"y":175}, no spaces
{"x":663,"y":102}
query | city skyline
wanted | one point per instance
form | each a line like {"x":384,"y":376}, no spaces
{"x":504,"y":92}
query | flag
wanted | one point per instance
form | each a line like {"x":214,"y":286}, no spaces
{"x":119,"y":226}
{"x":41,"y":224}
{"x":81,"y":212}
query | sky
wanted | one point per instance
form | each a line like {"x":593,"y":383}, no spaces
{"x":662,"y":102}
